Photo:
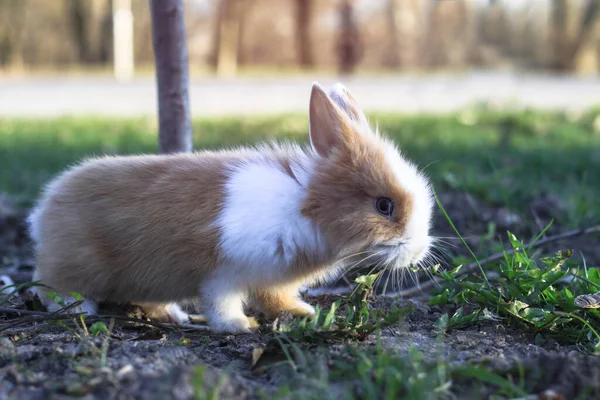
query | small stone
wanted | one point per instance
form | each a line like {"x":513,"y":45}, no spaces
{"x":124,"y":372}
{"x":547,"y":206}
{"x":282,"y":319}
{"x":506,"y":218}
{"x":550,"y":394}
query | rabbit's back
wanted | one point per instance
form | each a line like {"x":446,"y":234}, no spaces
{"x":131,"y":228}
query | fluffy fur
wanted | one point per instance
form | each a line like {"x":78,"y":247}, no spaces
{"x":232,"y":227}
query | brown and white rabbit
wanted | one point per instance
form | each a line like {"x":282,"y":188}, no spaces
{"x":251,"y":225}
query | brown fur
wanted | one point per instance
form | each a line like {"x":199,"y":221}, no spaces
{"x":273,"y":300}
{"x":350,"y":179}
{"x":153,"y":206}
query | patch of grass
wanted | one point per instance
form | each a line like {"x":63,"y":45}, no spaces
{"x":383,"y":375}
{"x":204,"y":386}
{"x":89,"y":337}
{"x":502,"y":157}
{"x":537,"y":293}
{"x":374,"y":372}
{"x":359,"y":320}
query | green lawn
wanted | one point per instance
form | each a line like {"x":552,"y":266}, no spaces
{"x":504,"y":159}
{"x":501,"y":158}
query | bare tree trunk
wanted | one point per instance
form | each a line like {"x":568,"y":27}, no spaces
{"x":586,"y":50}
{"x":228,"y":37}
{"x":303,"y":39}
{"x":393,"y":24}
{"x":123,"y":40}
{"x":105,"y":46}
{"x":242,"y":57}
{"x":559,"y":35}
{"x":171,"y":59}
{"x":349,"y":47}
{"x":80,"y":13}
{"x":570,"y":34}
{"x":14,"y":19}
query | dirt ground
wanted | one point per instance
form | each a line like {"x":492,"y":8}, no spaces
{"x":38,"y":361}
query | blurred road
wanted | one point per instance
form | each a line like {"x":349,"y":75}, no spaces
{"x":48,"y":96}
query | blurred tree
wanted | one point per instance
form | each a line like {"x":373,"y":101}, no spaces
{"x":349,"y":46}
{"x":303,"y":29}
{"x":451,"y":35}
{"x":172,"y":76}
{"x":123,"y":40}
{"x":541,"y":34}
{"x":574,"y":29}
{"x":394,"y":24}
{"x":90,"y":24}
{"x":228,"y":26}
{"x":105,"y":47}
{"x":402,"y":18}
{"x":80,"y":15}
{"x":586,"y":55}
{"x":14,"y":26}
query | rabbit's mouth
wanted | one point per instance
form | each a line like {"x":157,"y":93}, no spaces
{"x":400,"y":255}
{"x":391,"y":255}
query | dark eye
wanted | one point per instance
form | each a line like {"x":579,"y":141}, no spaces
{"x":384,"y":206}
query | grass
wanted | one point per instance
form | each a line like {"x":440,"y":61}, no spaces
{"x":503,"y":158}
{"x":536,"y":295}
{"x":500,"y":157}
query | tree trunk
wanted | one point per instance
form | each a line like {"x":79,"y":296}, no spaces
{"x":228,"y":37}
{"x":105,"y":46}
{"x":586,"y":50}
{"x":171,"y":59}
{"x":569,"y":34}
{"x":394,"y":59}
{"x":303,"y":39}
{"x":14,"y":15}
{"x":80,"y":12}
{"x":349,"y":47}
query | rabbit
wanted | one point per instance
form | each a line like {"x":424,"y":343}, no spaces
{"x":235,"y":227}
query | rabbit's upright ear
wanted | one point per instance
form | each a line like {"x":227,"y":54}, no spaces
{"x":344,"y":99}
{"x":330,"y":126}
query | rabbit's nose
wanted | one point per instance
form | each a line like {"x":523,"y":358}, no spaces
{"x":418,"y":255}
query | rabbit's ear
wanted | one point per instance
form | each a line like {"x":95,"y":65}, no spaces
{"x":343,"y":98}
{"x":330,"y":126}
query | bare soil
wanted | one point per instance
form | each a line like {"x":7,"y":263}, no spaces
{"x":42,"y":361}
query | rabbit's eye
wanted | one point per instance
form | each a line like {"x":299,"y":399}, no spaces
{"x":384,"y":206}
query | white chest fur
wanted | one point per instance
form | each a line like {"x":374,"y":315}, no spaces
{"x":261,"y":222}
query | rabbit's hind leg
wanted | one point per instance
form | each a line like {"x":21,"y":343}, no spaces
{"x":165,"y":312}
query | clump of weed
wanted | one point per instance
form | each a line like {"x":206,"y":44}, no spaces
{"x":357,"y":320}
{"x":537,"y":294}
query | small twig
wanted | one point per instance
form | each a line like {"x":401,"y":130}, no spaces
{"x":498,"y":256}
{"x":131,"y":319}
{"x":37,"y":318}
{"x":8,"y":310}
{"x":59,"y":315}
{"x":41,"y":316}
{"x":193,"y":327}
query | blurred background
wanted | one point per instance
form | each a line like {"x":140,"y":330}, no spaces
{"x":231,"y":36}
{"x":258,"y":56}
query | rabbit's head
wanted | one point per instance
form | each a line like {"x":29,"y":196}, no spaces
{"x":368,"y":200}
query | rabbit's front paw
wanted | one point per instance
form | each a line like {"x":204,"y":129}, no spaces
{"x":231,"y":325}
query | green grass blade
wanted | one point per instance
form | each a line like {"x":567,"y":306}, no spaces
{"x":440,"y":205}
